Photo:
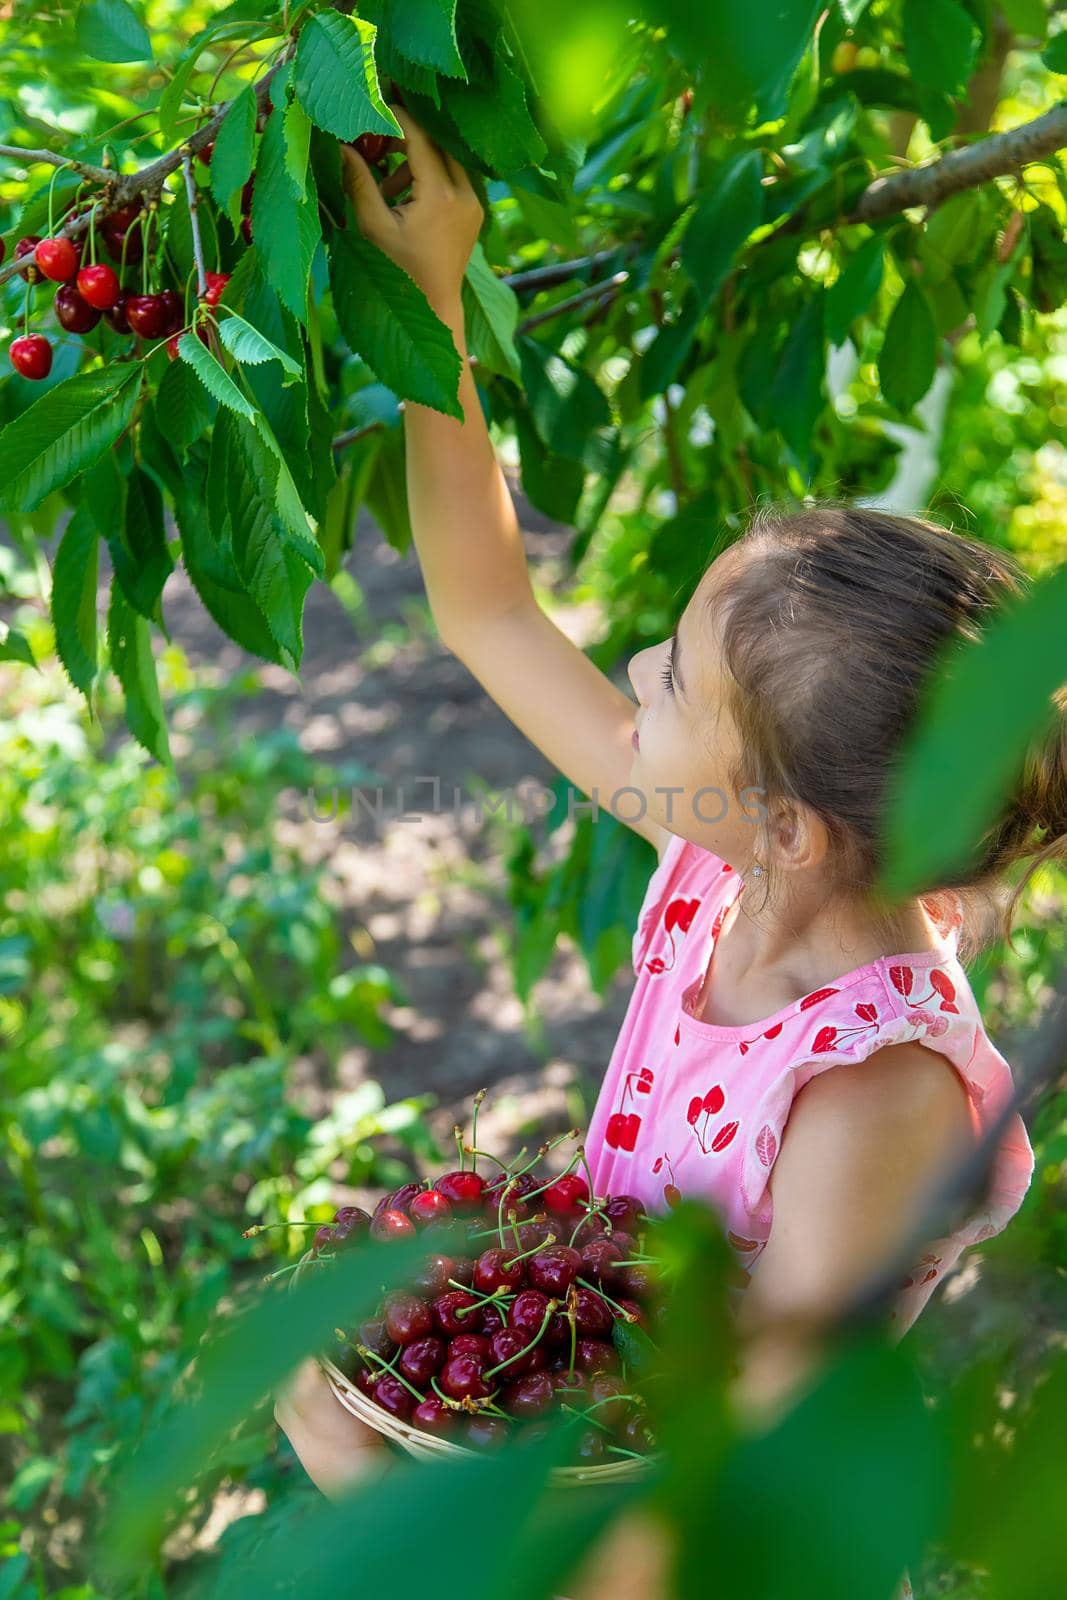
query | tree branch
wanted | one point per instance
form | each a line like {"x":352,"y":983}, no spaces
{"x":121,"y":188}
{"x":31,"y":157}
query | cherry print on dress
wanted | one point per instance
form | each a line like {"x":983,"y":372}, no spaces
{"x":701,"y":1110}
{"x":744,"y":1045}
{"x":671,"y":1192}
{"x":941,"y":986}
{"x":830,"y":1037}
{"x":935,"y":1026}
{"x":623,"y":1126}
{"x":924,"y":1272}
{"x":678,"y":916}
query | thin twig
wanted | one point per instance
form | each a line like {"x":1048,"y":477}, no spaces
{"x":121,"y":188}
{"x":30,"y":157}
{"x":194,"y":224}
{"x":560,"y":271}
{"x":596,"y":291}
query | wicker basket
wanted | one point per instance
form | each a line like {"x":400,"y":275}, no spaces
{"x":428,"y":1447}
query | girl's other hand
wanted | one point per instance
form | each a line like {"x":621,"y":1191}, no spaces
{"x":335,"y":1449}
{"x":431,"y":235}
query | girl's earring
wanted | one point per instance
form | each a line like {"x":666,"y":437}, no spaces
{"x":757,"y":871}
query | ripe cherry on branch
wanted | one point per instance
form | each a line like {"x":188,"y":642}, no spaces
{"x":26,"y":247}
{"x":99,"y":286}
{"x":31,"y":355}
{"x":73,"y":311}
{"x":147,"y":315}
{"x":57,"y":259}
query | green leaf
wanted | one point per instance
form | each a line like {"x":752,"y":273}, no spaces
{"x":336,"y":80}
{"x":63,"y":433}
{"x":635,"y":1347}
{"x":747,"y":54}
{"x":991,"y":698}
{"x":235,"y":148}
{"x":1027,"y":16}
{"x":491,"y":314}
{"x":798,"y":395}
{"x":73,"y":603}
{"x":129,"y":643}
{"x":173,"y":96}
{"x":208,"y":560}
{"x":111,"y":30}
{"x":565,"y":403}
{"x":553,"y":484}
{"x":908,"y":357}
{"x":297,"y":145}
{"x":14,"y":646}
{"x":385,"y":318}
{"x":1054,"y":55}
{"x":940,"y":43}
{"x":422,"y":30}
{"x":731,"y":209}
{"x":186,"y":405}
{"x":213,"y":376}
{"x":138,"y":546}
{"x":285,"y":227}
{"x":247,"y":344}
{"x":855,"y":289}
{"x":494,"y":120}
{"x":663,"y":357}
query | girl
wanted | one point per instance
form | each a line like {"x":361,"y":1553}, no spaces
{"x":798,"y":1054}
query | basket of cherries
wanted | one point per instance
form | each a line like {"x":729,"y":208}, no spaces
{"x":536,"y":1298}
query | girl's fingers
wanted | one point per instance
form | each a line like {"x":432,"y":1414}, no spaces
{"x":458,"y":173}
{"x":396,"y":182}
{"x":373,"y":215}
{"x":426,"y":158}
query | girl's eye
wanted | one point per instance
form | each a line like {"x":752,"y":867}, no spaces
{"x":668,"y":681}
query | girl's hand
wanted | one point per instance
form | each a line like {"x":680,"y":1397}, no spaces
{"x":430,"y":236}
{"x":335,"y":1448}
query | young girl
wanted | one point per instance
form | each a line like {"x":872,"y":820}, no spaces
{"x":794,"y":1052}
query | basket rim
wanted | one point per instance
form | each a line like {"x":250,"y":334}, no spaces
{"x":422,"y":1445}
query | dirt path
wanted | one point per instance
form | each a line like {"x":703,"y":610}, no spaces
{"x":425,"y":898}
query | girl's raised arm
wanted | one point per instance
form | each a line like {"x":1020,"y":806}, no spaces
{"x":462,"y":516}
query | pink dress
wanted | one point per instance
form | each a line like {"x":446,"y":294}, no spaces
{"x":692,"y":1108}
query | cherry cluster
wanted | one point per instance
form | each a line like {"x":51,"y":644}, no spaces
{"x":520,"y":1309}
{"x":90,"y":290}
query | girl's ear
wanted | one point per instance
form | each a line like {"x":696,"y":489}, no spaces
{"x":799,"y":837}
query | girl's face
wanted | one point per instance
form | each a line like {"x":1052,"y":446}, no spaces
{"x":687,"y":741}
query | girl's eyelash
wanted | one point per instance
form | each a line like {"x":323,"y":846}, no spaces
{"x":668,"y":681}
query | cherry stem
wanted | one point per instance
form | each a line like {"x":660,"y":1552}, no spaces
{"x":26,"y":306}
{"x":292,"y":1267}
{"x":457,"y":1134}
{"x":620,"y":1311}
{"x":363,"y":1350}
{"x":478,"y":1098}
{"x":573,"y":1320}
{"x":550,"y":1310}
{"x":472,"y":1151}
{"x":265,"y":1227}
{"x":533,"y":1250}
{"x":617,"y":1450}
{"x":584,"y":1417}
{"x":497,"y":1298}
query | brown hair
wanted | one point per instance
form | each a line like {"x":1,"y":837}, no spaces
{"x":830,"y":634}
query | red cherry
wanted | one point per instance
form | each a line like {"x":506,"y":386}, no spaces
{"x":461,"y":1379}
{"x":350,"y":1221}
{"x":434,"y":1416}
{"x":527,"y":1312}
{"x":57,"y":259}
{"x":26,"y":247}
{"x":569,"y":1386}
{"x":446,"y":1312}
{"x":529,"y":1396}
{"x":407,"y":1318}
{"x":146,"y":315}
{"x":174,"y":308}
{"x":433,"y":1276}
{"x":486,"y":1433}
{"x":371,"y":146}
{"x":117,"y":314}
{"x":99,"y":286}
{"x":463,"y":1190}
{"x":491,"y":1321}
{"x":469,"y":1344}
{"x":498,"y":1269}
{"x":624,"y":1211}
{"x":592,"y":1314}
{"x":204,"y":153}
{"x":364,"y":1381}
{"x":398,"y":1199}
{"x":323,"y":1238}
{"x":422,"y":1360}
{"x":118,"y":236}
{"x":595,"y":1355}
{"x":31,"y":355}
{"x":429,"y":1207}
{"x":392,"y":1396}
{"x":565,"y":1194}
{"x":391,"y":1225}
{"x":511,"y":1346}
{"x":216,"y":283}
{"x":3,"y":251}
{"x":554,"y":1269}
{"x":73,"y":312}
{"x":373,"y":1334}
{"x":637,"y":1281}
{"x":599,"y":1257}
{"x":637,"y":1434}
